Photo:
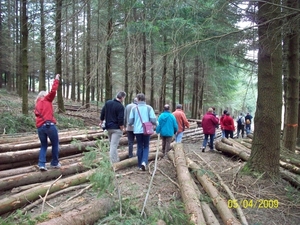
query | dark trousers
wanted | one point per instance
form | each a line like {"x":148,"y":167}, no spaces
{"x":228,"y":133}
{"x":166,"y":142}
{"x":239,"y":129}
{"x":130,"y":137}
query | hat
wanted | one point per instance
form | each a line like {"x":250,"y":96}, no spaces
{"x":210,"y":110}
{"x":225,"y":111}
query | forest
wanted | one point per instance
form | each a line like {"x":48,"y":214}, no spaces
{"x":242,"y":56}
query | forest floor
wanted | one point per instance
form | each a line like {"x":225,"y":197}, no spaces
{"x":263,"y":202}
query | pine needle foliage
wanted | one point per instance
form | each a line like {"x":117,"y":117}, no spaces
{"x":103,"y":179}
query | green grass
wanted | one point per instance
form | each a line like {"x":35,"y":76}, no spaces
{"x":12,"y":121}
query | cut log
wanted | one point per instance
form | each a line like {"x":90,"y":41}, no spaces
{"x":35,"y":177}
{"x":208,"y":214}
{"x":26,"y":155}
{"x":133,"y":161}
{"x":291,"y":178}
{"x":29,"y":169}
{"x":188,"y":193}
{"x":290,"y":167}
{"x":16,"y":201}
{"x":87,"y":214}
{"x":219,"y":202}
{"x":220,"y":146}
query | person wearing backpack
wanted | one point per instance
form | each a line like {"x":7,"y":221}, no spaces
{"x":248,"y":119}
{"x":240,"y":125}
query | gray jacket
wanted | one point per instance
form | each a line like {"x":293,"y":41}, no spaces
{"x":126,"y":116}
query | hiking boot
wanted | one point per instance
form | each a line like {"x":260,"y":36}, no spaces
{"x":143,"y":166}
{"x":203,"y":149}
{"x":58,"y":166}
{"x":42,"y":168}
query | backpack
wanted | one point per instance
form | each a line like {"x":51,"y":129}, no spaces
{"x":248,"y":121}
{"x":239,"y":122}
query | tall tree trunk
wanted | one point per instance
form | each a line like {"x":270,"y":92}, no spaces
{"x":162,"y":98}
{"x":77,"y":62}
{"x":1,"y":46}
{"x":195,"y":89}
{"x":108,"y":73}
{"x":183,"y":81}
{"x":201,"y":89}
{"x":24,"y":29}
{"x":88,"y":55}
{"x":144,"y":54}
{"x":18,"y":49}
{"x":292,"y":94}
{"x":126,"y":67}
{"x":174,"y":84}
{"x":73,"y":79}
{"x":265,"y":152}
{"x":42,"y":76}
{"x":58,"y":69}
{"x":152,"y":73}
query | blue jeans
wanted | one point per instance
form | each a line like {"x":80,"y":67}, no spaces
{"x":223,"y":133}
{"x":114,"y":136}
{"x":130,"y":137}
{"x":44,"y":132}
{"x":142,"y":148}
{"x":178,"y":137}
{"x":211,"y":141}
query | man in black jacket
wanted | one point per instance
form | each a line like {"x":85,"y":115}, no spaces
{"x":113,"y":114}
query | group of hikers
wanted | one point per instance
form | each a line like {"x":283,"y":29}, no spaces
{"x":131,"y":119}
{"x":210,"y":122}
{"x":115,"y":118}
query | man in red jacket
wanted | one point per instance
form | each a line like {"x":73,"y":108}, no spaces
{"x":181,"y":121}
{"x":45,"y":123}
{"x":209,"y":123}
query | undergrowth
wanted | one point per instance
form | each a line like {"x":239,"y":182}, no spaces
{"x":125,"y":210}
{"x":12,"y":121}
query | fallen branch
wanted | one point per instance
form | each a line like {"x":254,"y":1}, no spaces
{"x":48,"y":193}
{"x":50,"y":196}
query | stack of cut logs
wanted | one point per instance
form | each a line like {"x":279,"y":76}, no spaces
{"x":290,"y":167}
{"x":24,"y":186}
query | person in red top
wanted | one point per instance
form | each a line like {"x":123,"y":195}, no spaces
{"x":221,"y":123}
{"x":181,"y":121}
{"x":209,"y":123}
{"x":228,"y":125}
{"x":45,"y":123}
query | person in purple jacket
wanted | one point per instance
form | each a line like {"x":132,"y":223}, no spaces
{"x":209,"y":123}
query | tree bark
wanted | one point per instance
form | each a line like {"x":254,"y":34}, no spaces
{"x":218,"y":201}
{"x":34,"y":177}
{"x":18,"y":200}
{"x":27,"y":155}
{"x":292,"y":92}
{"x":232,"y":150}
{"x":266,"y":141}
{"x":24,"y":53}
{"x":87,"y":214}
{"x":188,"y":194}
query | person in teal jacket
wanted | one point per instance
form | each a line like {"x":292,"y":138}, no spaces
{"x":167,"y":127}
